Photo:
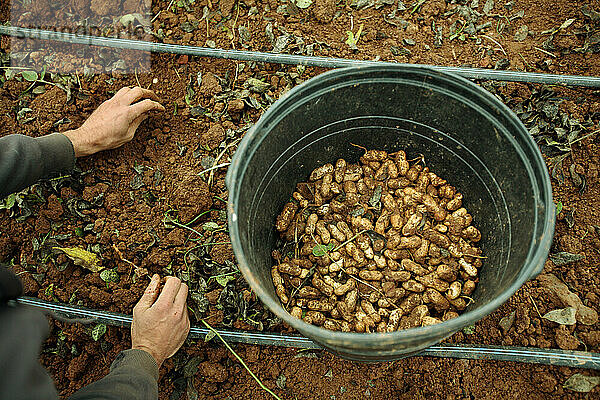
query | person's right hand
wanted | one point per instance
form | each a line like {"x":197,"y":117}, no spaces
{"x":160,"y":326}
{"x":114,"y":122}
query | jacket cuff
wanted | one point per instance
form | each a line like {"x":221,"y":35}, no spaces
{"x":58,"y":152}
{"x":138,"y":358}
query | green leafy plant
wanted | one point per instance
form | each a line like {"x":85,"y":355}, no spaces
{"x":109,"y":275}
{"x":559,"y":207}
{"x":469,"y":330}
{"x":320,"y":250}
{"x":98,"y":331}
{"x":353,"y":39}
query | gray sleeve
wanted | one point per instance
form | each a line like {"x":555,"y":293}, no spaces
{"x":133,"y":376}
{"x":22,"y":331}
{"x":24,"y":160}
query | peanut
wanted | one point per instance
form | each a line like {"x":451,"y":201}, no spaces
{"x":278,"y":283}
{"x":439,"y":301}
{"x":394,"y":320}
{"x":413,"y":286}
{"x":468,"y":288}
{"x":314,"y":317}
{"x":431,"y":280}
{"x":428,"y":321}
{"x":344,"y":288}
{"x":322,"y":286}
{"x":370,"y":275}
{"x":449,"y":315}
{"x":308,"y":292}
{"x":320,"y":172}
{"x":397,"y":276}
{"x":467,"y":267}
{"x":455,"y":203}
{"x":320,"y":305}
{"x":411,"y":266}
{"x":373,"y":155}
{"x":291,"y":269}
{"x":340,"y":170}
{"x":296,"y":312}
{"x":410,"y":228}
{"x":336,"y":233}
{"x":285,"y":218}
{"x":454,"y":290}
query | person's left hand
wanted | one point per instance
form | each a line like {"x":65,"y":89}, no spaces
{"x":114,"y":123}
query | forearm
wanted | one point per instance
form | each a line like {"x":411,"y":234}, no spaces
{"x":24,"y":160}
{"x":133,"y":376}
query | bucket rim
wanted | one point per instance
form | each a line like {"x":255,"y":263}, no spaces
{"x":537,"y":254}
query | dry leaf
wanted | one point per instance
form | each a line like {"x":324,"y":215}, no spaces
{"x":82,"y":258}
{"x":581,"y":383}
{"x":563,"y":316}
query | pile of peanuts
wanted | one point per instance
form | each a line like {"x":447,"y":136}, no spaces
{"x":378,"y":246}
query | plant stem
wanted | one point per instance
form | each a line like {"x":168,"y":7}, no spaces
{"x":241,"y":361}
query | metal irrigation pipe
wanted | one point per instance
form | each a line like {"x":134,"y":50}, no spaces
{"x":325,"y":62}
{"x":564,"y":358}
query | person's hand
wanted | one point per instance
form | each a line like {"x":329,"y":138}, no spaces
{"x":160,"y":326}
{"x":114,"y":123}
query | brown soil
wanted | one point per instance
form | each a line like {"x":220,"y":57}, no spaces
{"x":130,"y":207}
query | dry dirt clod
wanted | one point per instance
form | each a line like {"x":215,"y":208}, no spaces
{"x":379,"y":246}
{"x":584,"y":314}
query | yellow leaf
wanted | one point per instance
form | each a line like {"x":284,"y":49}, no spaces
{"x":82,"y":258}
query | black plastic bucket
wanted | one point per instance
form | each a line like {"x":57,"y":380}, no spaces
{"x":467,"y":137}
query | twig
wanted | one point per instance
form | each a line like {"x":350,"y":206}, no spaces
{"x":349,"y":240}
{"x":240,"y":360}
{"x":584,"y":137}
{"x":471,"y":300}
{"x":360,"y":147}
{"x":172,"y":221}
{"x":136,"y":77}
{"x":212,"y":172}
{"x":475,"y":256}
{"x":535,"y":305}
{"x":495,"y":41}
{"x":545,"y":52}
{"x":160,"y":11}
{"x":215,"y":167}
{"x":120,"y":255}
{"x":234,"y":24}
{"x":525,"y":61}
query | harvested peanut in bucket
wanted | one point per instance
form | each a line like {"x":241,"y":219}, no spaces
{"x":378,"y":246}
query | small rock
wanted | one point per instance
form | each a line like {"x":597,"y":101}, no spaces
{"x":210,"y":85}
{"x":522,"y":33}
{"x":501,"y":64}
{"x":214,"y":136}
{"x":280,"y":382}
{"x":488,"y":7}
{"x":236,"y":106}
{"x":252,"y":354}
{"x":507,"y":322}
{"x":410,"y":42}
{"x":207,"y":162}
{"x":104,"y":7}
{"x":564,"y":339}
